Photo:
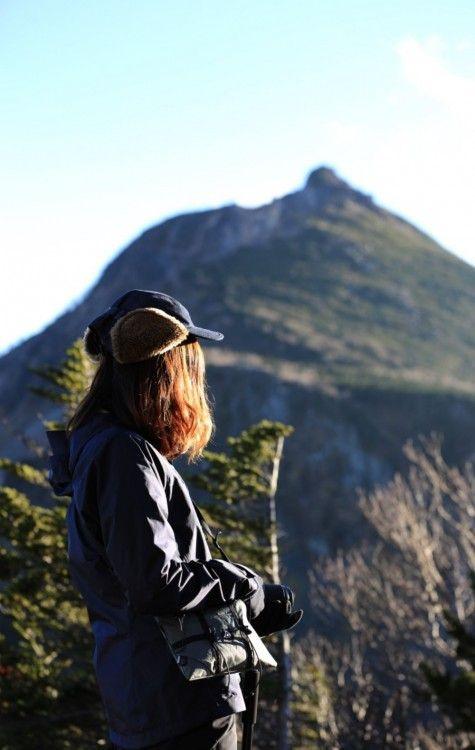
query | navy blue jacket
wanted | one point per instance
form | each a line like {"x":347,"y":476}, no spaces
{"x":136,"y":548}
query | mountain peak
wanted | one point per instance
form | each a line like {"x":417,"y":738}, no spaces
{"x":324,"y":177}
{"x":323,"y":185}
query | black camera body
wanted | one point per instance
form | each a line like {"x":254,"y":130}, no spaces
{"x":277,"y":614}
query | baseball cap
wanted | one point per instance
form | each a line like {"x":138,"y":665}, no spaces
{"x":141,"y":324}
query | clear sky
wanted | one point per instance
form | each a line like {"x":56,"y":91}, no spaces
{"x":119,"y":113}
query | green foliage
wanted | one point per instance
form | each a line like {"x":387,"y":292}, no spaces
{"x":47,"y":684}
{"x":238,"y":483}
{"x":312,"y":700}
{"x":66,"y":383}
{"x":454,"y":688}
{"x":25,"y":472}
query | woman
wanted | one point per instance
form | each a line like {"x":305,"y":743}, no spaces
{"x":135,"y":545}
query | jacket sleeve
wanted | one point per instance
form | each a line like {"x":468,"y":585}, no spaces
{"x":140,"y":543}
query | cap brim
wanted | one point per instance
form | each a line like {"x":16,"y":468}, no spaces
{"x":206,"y":333}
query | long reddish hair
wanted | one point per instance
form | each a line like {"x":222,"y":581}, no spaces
{"x":165,"y":398}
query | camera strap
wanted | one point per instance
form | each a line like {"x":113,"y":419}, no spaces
{"x":207,"y":529}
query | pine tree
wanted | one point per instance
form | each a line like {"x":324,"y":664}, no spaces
{"x":66,"y":383}
{"x":242,"y":484}
{"x":454,"y":689}
{"x":47,"y":684}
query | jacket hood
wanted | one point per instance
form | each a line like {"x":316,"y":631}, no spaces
{"x":59,"y":475}
{"x":65,"y":451}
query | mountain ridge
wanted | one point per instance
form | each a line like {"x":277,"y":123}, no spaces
{"x":217,"y":233}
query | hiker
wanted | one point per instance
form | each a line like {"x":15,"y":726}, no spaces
{"x":136,"y":547}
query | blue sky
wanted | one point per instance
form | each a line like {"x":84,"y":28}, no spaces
{"x":118,"y":114}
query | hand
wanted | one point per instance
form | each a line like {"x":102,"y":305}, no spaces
{"x":277,"y":613}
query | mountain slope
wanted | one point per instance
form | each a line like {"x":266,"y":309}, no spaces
{"x":339,"y":317}
{"x":351,"y":292}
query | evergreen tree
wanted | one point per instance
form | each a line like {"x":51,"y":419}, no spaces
{"x":47,"y":684}
{"x":66,"y":383}
{"x":241,"y":485}
{"x":454,"y":689}
{"x":238,"y":483}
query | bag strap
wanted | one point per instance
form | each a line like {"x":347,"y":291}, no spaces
{"x":207,"y":529}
